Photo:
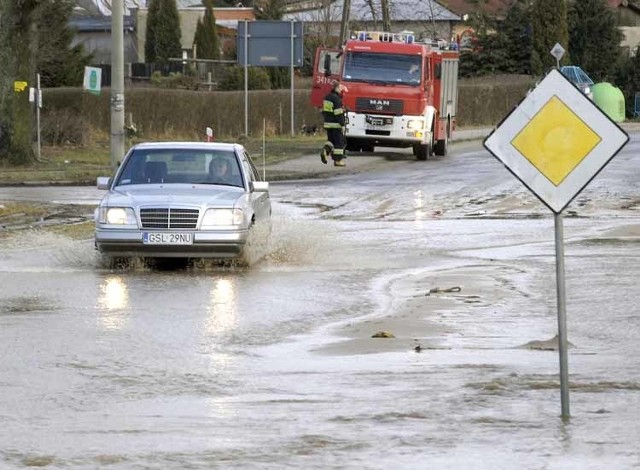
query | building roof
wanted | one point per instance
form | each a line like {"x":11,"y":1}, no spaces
{"x":103,"y":7}
{"x":225,"y":17}
{"x":465,"y":7}
{"x":400,"y":10}
{"x":92,"y":24}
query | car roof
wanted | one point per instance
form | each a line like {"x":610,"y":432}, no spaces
{"x":228,"y":146}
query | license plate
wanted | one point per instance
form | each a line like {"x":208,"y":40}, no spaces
{"x":161,"y":238}
{"x":377,"y":122}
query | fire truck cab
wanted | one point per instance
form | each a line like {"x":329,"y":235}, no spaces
{"x":401,"y":92}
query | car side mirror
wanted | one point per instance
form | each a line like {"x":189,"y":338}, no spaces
{"x":259,"y":186}
{"x":103,"y":182}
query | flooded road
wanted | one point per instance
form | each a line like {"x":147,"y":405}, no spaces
{"x":274,"y":366}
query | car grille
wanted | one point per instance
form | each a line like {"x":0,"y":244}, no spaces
{"x":169,"y":218}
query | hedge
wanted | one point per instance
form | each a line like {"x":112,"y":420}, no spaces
{"x":71,"y":115}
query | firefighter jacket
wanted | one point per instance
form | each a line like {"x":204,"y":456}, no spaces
{"x":333,"y":111}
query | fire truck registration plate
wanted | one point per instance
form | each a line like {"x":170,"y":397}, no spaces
{"x":153,"y":238}
{"x":376,"y":121}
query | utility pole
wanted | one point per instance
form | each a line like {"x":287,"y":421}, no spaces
{"x":386,"y":17}
{"x":117,"y":83}
{"x":344,"y":25}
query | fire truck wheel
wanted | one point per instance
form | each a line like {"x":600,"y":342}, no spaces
{"x":441,"y":146}
{"x":422,"y":151}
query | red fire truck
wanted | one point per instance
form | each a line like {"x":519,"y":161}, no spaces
{"x":401,"y":92}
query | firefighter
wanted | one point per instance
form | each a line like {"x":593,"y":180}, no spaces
{"x":334,"y":123}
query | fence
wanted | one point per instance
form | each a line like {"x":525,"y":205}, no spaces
{"x":207,"y":72}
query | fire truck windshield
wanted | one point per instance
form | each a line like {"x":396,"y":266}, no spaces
{"x":382,"y":68}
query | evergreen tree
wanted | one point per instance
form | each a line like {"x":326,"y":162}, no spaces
{"x":594,"y":38}
{"x":206,"y":37}
{"x":517,"y":30}
{"x":549,"y":24}
{"x":163,"y":32}
{"x":269,"y":9}
{"x":490,"y":54}
{"x":627,"y":77}
{"x":58,"y":62}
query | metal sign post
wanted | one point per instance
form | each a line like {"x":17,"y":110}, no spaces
{"x":563,"y":342}
{"x":246,"y":78}
{"x":38,"y":100}
{"x":555,"y":142}
{"x":291,"y":68}
{"x":270,"y":44}
{"x":557,"y":51}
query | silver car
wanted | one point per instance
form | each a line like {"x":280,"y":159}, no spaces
{"x":181,"y":200}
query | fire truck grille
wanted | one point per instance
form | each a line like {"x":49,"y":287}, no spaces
{"x":372,"y":132}
{"x":377,"y":105}
{"x":169,"y":218}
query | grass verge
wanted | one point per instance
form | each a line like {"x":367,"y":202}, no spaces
{"x":71,"y":221}
{"x":82,"y":165}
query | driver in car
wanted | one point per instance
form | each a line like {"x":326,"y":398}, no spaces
{"x":220,"y":171}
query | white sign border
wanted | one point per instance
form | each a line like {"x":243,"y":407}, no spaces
{"x":613,"y":138}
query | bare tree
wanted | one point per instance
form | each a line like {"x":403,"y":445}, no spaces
{"x":373,"y":9}
{"x":18,"y":47}
{"x":322,"y":24}
{"x":386,"y":15}
{"x":344,"y":25}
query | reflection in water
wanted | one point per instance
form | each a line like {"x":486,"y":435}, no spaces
{"x":222,"y":306}
{"x":113,"y":302}
{"x":222,"y":317}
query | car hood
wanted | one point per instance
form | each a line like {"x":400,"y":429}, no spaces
{"x":178,"y":195}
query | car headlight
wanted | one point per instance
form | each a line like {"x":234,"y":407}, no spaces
{"x":222,"y":217}
{"x":587,"y":90}
{"x":415,"y":124}
{"x":117,"y":216}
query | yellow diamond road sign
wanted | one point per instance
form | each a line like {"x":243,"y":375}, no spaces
{"x":556,"y":141}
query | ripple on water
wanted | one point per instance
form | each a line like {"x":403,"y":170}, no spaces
{"x":25,"y":305}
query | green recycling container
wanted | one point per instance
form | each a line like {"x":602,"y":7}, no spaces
{"x":610,"y":100}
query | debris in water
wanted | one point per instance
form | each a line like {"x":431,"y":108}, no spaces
{"x":437,"y":290}
{"x":383,"y":334}
{"x":546,"y":345}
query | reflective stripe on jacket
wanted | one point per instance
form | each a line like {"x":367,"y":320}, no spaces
{"x":332,"y":111}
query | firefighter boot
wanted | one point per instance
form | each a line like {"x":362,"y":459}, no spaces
{"x":326,"y":151}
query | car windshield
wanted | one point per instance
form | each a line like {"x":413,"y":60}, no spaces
{"x":186,"y":166}
{"x":383,"y":68}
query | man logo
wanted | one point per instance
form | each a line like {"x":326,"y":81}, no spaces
{"x":381,"y":103}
